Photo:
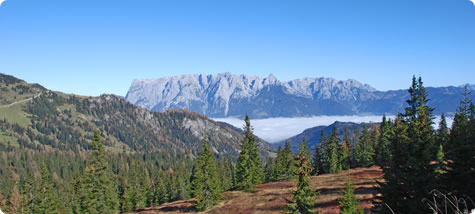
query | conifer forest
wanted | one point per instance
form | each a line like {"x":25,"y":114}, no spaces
{"x":64,"y":153}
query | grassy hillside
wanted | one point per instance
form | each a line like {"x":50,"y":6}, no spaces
{"x":272,"y":197}
{"x":37,"y":118}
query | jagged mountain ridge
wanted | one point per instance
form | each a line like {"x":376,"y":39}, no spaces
{"x":226,"y":94}
{"x":53,"y":120}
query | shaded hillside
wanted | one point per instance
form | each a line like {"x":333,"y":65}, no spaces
{"x":272,"y":197}
{"x":34,"y":117}
{"x":312,"y":135}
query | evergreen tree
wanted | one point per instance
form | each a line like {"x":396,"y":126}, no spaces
{"x":46,"y":200}
{"x":364,"y":150}
{"x":443,"y":132}
{"x":345,"y":150}
{"x":411,"y":176}
{"x":206,"y":186}
{"x":304,"y":148}
{"x":304,"y":196}
{"x":322,"y":157}
{"x":461,"y":151}
{"x":249,"y":166}
{"x":333,"y":151}
{"x":99,"y":194}
{"x":288,"y":161}
{"x":349,"y":204}
{"x":317,"y":160}
{"x":280,"y":164}
{"x":134,"y":193}
{"x":383,"y":148}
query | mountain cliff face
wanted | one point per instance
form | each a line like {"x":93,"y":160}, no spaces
{"x":229,"y":95}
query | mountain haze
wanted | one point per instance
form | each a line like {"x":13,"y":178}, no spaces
{"x":230,"y":95}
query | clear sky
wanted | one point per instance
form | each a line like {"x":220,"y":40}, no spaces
{"x":90,"y":47}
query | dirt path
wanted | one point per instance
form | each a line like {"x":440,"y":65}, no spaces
{"x":272,"y":197}
{"x":21,"y":101}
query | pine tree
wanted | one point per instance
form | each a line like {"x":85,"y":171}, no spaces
{"x":333,"y":151}
{"x":364,"y":150}
{"x":383,"y":148}
{"x":303,"y":197}
{"x":317,"y":160}
{"x":206,"y":186}
{"x":249,"y":166}
{"x":461,"y":151}
{"x":411,"y":176}
{"x":99,"y":192}
{"x":46,"y":200}
{"x":288,"y":162}
{"x":349,"y":204}
{"x":322,"y":157}
{"x":443,"y":132}
{"x":345,"y":150}
{"x":133,"y":196}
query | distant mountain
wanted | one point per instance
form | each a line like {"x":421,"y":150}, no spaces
{"x":312,"y":135}
{"x":226,"y":94}
{"x":37,"y":118}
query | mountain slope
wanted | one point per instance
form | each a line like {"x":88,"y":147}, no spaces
{"x":52,"y":120}
{"x":226,"y":94}
{"x":312,"y":135}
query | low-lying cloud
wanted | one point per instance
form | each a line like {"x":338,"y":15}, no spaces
{"x":277,"y":129}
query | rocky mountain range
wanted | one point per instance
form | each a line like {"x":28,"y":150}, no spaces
{"x":37,"y":118}
{"x":230,"y":95}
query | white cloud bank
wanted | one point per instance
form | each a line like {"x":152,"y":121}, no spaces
{"x":278,"y":129}
{"x":1,"y":2}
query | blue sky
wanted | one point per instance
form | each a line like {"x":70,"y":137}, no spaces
{"x":90,"y":47}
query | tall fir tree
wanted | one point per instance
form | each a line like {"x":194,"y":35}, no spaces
{"x":205,"y":180}
{"x":288,"y":161}
{"x":99,"y":191}
{"x":442,"y":137}
{"x":349,"y":204}
{"x":249,"y":167}
{"x":364,"y":152}
{"x":411,"y":174}
{"x":461,"y":151}
{"x":304,"y":197}
{"x":383,"y":148}
{"x":345,"y":150}
{"x":321,"y":158}
{"x":333,"y":152}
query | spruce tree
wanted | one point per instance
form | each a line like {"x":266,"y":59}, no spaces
{"x":461,"y":151}
{"x":249,"y":167}
{"x":317,"y":161}
{"x":345,"y":150}
{"x":205,"y":180}
{"x":288,"y":162}
{"x":364,"y":152}
{"x":411,"y":174}
{"x":99,"y":191}
{"x":349,"y":204}
{"x":333,"y":151}
{"x":323,"y":159}
{"x":442,"y":132}
{"x":383,"y":148}
{"x":304,"y":196}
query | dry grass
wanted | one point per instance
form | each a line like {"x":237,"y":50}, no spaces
{"x":272,"y":197}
